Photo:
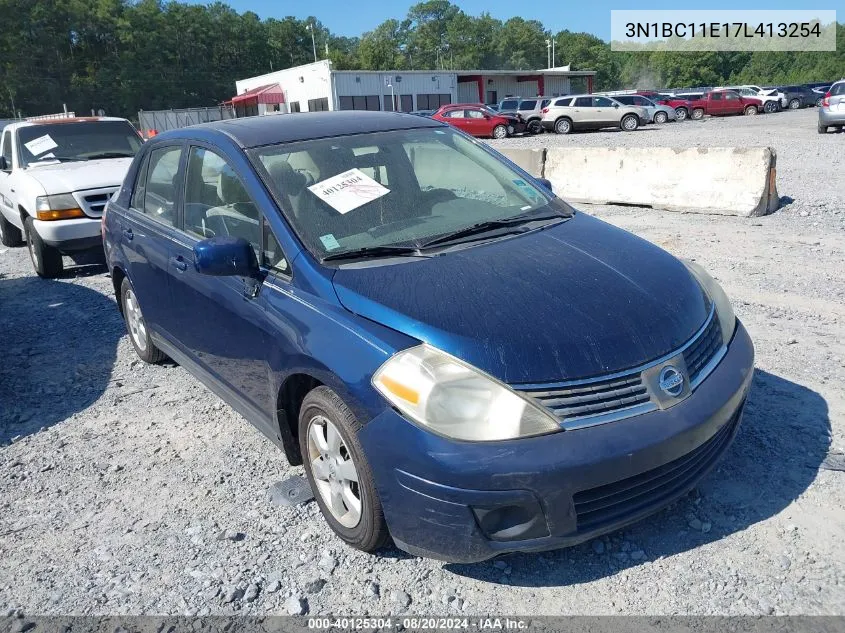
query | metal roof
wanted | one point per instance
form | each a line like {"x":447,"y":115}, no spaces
{"x":544,"y":71}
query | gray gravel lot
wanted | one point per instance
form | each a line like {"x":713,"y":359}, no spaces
{"x":131,"y":489}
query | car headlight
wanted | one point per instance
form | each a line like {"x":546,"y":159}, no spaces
{"x":57,"y":207}
{"x":452,"y":398}
{"x":724,"y":309}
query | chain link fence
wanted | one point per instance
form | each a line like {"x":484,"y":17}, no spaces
{"x":152,"y":122}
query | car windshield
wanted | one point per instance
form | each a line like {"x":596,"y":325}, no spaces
{"x":396,"y":188}
{"x":83,"y":140}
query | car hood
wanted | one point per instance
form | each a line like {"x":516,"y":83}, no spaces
{"x":89,"y":174}
{"x":575,"y":300}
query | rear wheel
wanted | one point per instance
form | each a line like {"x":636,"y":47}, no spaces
{"x":563,"y":126}
{"x":681,"y":113}
{"x":819,"y":102}
{"x":10,"y":235}
{"x":751,"y":110}
{"x":822,"y":129}
{"x":139,"y":335}
{"x":500,"y":131}
{"x":629,"y":122}
{"x":698,"y":114}
{"x":46,"y":260}
{"x":534,"y":126}
{"x":770,"y":106}
{"x":794,"y":104}
{"x":338,"y":472}
{"x":660,"y":117}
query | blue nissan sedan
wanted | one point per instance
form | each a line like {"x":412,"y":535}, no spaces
{"x":462,"y":362}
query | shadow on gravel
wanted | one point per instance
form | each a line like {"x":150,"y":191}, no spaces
{"x":58,"y":342}
{"x":784,"y":437}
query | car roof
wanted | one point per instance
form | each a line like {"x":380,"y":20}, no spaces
{"x":286,"y":128}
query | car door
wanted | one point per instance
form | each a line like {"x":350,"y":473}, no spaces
{"x":219,"y":321}
{"x":583,"y":114}
{"x":716,"y":104}
{"x":7,"y":207}
{"x":605,"y":111}
{"x":146,"y":230}
{"x":733,"y":103}
{"x":478,"y":123}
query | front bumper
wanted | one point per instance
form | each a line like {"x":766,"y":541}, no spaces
{"x":70,"y":235}
{"x":467,"y":502}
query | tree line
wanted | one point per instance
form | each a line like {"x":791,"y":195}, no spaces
{"x":121,"y":56}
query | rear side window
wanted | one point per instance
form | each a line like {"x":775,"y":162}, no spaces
{"x":7,"y":148}
{"x":544,"y":103}
{"x":835,"y":91}
{"x":509,"y":104}
{"x":563,"y":102}
{"x":159,"y":191}
{"x":528,"y":105}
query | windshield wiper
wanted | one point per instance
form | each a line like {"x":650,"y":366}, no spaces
{"x":110,"y":155}
{"x":61,"y":159}
{"x":490,"y":225}
{"x":376,"y":251}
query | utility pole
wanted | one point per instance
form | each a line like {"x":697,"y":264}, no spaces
{"x":548,"y":53}
{"x":553,"y":53}
{"x":310,"y":27}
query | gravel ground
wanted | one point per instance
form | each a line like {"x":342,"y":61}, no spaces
{"x":131,"y":489}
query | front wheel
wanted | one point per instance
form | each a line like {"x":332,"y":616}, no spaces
{"x":794,"y":104}
{"x":697,"y":114}
{"x":629,"y":122}
{"x":338,"y":471}
{"x":770,"y":107}
{"x":534,"y":127}
{"x":660,"y":117}
{"x":819,"y":102}
{"x":500,"y":131}
{"x":10,"y":235}
{"x":681,"y":113}
{"x":751,"y":110}
{"x":46,"y":260}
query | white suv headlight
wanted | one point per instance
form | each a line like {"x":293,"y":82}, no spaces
{"x":452,"y":398}
{"x":724,"y":309}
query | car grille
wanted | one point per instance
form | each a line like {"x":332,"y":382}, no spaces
{"x":590,"y":402}
{"x":93,"y":202}
{"x":703,"y":350}
{"x":612,"y":502}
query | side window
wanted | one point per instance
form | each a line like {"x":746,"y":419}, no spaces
{"x":474,"y":114}
{"x":731,"y":96}
{"x":563,"y":102}
{"x":137,"y":201}
{"x":716,"y":96}
{"x":602,"y":102}
{"x":528,"y":105}
{"x":216,"y":201}
{"x":160,"y":187}
{"x":271,"y":251}
{"x":583,"y":102}
{"x":7,"y":148}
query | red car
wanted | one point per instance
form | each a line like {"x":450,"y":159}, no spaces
{"x":682,"y":107}
{"x":725,"y":102}
{"x":479,"y":120}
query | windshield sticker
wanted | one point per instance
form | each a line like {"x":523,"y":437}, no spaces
{"x":527,"y":189}
{"x":41,"y":144}
{"x":348,"y":191}
{"x":329,"y":242}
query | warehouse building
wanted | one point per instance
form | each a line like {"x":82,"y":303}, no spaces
{"x":317,"y":86}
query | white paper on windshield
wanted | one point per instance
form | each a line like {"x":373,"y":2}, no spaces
{"x":348,"y":191}
{"x":41,"y":144}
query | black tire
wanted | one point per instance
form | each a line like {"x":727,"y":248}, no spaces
{"x":819,"y":102}
{"x":682,"y":113}
{"x":563,"y":125}
{"x":794,"y":104}
{"x":751,"y":111}
{"x":46,"y":260}
{"x":10,"y":235}
{"x":770,"y":106}
{"x":147,"y":352}
{"x":534,"y":126}
{"x":660,"y":117}
{"x":370,"y":533}
{"x":822,"y":129}
{"x":697,"y":114}
{"x":629,"y":123}
{"x":500,"y":131}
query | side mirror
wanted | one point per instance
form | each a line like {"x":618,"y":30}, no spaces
{"x":546,"y":183}
{"x":487,"y":116}
{"x":4,"y":164}
{"x":615,"y":105}
{"x":225,"y":256}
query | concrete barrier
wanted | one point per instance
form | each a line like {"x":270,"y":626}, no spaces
{"x":720,"y":180}
{"x":531,"y":160}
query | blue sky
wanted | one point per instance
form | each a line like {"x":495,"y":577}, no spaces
{"x":353,"y":18}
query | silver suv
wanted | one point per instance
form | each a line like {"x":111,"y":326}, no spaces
{"x":531,"y":111}
{"x":832,"y":110}
{"x":591,"y":112}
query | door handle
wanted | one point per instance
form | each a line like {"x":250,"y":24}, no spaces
{"x":180,"y":264}
{"x":128,"y":234}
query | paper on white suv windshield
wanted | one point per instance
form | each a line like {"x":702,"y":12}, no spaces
{"x":348,"y":191}
{"x":41,"y":144}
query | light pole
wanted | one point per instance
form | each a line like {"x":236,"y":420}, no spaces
{"x":548,"y":53}
{"x":310,"y":27}
{"x":553,"y":53}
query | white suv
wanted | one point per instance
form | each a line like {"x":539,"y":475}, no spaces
{"x":56,"y":176}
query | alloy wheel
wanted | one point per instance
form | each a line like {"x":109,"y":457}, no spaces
{"x":334,"y":471}
{"x":629,"y":123}
{"x":137,"y":327}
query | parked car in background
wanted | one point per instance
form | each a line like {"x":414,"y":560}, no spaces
{"x":591,"y":112}
{"x":423,"y":112}
{"x":798,"y":96}
{"x":508,"y":104}
{"x":832,"y":109}
{"x":56,"y":176}
{"x":680,"y":105}
{"x":772,"y":101}
{"x":656,"y":113}
{"x":725,"y":103}
{"x":531,"y":111}
{"x":344,"y":281}
{"x":820,"y":92}
{"x":479,"y":120}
